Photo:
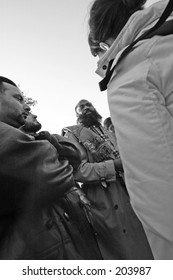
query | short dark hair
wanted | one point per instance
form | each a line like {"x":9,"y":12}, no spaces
{"x":6,"y":80}
{"x":107,"y":18}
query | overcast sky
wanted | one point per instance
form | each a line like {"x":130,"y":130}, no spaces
{"x":44,"y":49}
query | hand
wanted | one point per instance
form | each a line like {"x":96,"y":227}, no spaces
{"x":65,"y":149}
{"x":70,"y":151}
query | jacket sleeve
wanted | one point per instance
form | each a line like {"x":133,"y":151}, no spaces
{"x":89,"y":172}
{"x":32,"y":169}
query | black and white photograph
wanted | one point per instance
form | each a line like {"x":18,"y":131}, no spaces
{"x":86,"y":139}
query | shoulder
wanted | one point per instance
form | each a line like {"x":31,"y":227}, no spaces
{"x":74,"y":129}
{"x":160,"y":65}
{"x":10,"y":133}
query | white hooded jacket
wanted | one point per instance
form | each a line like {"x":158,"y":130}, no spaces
{"x":140,"y":97}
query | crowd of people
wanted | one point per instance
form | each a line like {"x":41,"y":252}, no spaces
{"x":63,"y":196}
{"x":102,"y":190}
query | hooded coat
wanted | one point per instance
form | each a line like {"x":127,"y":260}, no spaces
{"x":140,"y":97}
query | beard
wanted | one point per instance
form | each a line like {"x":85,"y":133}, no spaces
{"x":90,"y":119}
{"x":31,"y":127}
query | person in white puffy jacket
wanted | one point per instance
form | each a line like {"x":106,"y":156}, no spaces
{"x":140,"y":97}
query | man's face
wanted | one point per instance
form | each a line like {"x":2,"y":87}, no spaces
{"x":85,"y":107}
{"x":13,"y":109}
{"x":87,"y":114}
{"x":31,"y":124}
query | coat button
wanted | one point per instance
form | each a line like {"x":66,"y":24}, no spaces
{"x":104,"y":67}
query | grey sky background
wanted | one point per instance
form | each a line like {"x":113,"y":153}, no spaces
{"x":44,"y":49}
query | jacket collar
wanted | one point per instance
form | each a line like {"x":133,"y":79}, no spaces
{"x":138,"y":23}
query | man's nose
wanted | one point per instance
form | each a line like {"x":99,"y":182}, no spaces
{"x":85,"y":107}
{"x":26,"y":108}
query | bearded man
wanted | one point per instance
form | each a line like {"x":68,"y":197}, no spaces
{"x":119,"y":233}
{"x":33,"y":177}
{"x":32,"y":125}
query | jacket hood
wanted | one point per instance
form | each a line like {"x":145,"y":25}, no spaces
{"x":138,"y":23}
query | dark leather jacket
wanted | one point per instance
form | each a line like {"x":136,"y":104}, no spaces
{"x":32,"y":181}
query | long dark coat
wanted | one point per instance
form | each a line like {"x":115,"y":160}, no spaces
{"x":119,"y":232}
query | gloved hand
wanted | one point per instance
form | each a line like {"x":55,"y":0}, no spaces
{"x":69,"y":151}
{"x":65,"y":149}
